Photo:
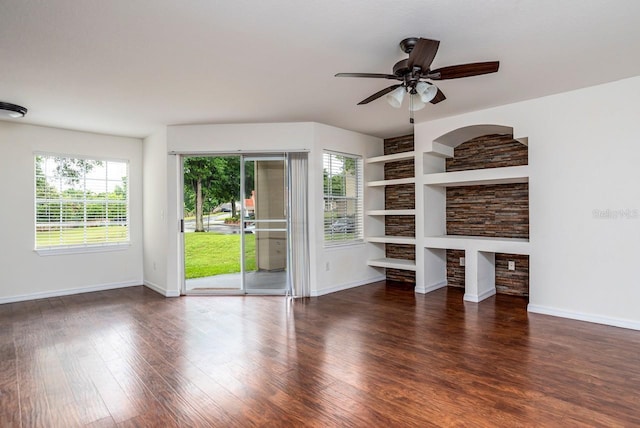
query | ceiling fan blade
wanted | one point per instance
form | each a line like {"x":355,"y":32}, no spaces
{"x":370,"y":75}
{"x":423,"y":53}
{"x":439,"y":97}
{"x":464,"y":70}
{"x":378,"y":94}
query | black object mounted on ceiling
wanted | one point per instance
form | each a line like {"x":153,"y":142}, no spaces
{"x":413,"y":73}
{"x":12,"y":111}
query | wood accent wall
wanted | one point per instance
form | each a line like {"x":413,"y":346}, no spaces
{"x":400,"y":196}
{"x":400,"y":251}
{"x":489,"y":151}
{"x":512,"y":282}
{"x":492,"y":211}
{"x":455,"y":272}
{"x":399,"y":169}
{"x":515,"y":283}
{"x":399,"y":225}
{"x":400,"y":144}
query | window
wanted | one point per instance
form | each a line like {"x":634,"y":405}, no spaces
{"x":342,"y":175}
{"x":80,"y":203}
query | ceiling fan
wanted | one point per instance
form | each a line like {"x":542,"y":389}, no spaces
{"x":413,"y":73}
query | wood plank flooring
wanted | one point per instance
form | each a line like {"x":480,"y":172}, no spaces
{"x":376,"y":355}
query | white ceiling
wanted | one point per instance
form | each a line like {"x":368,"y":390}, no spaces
{"x":129,"y":67}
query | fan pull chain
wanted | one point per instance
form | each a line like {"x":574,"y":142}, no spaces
{"x":410,"y":109}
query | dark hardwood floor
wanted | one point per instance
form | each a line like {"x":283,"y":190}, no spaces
{"x":372,"y":356}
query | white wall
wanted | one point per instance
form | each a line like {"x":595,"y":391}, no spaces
{"x":347,"y":267}
{"x":584,"y":155}
{"x":154,"y":178}
{"x":258,"y":137}
{"x":23,"y":273}
{"x":347,"y":264}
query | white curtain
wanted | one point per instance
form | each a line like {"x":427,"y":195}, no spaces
{"x":299,"y":272}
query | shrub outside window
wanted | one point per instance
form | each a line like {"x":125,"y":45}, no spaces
{"x":80,"y":203}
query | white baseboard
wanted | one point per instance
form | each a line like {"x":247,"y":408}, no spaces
{"x":155,"y":287}
{"x":316,"y":293}
{"x":68,"y":291}
{"x":476,"y":298}
{"x":598,"y":319}
{"x":430,"y":288}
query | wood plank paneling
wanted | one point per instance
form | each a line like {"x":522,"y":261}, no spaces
{"x":489,"y":151}
{"x":399,"y":169}
{"x":396,"y":197}
{"x":403,"y":276}
{"x":494,"y":211}
{"x":400,"y":225}
{"x":401,"y":197}
{"x":514,"y":282}
{"x":490,"y":211}
{"x":455,"y":272}
{"x":400,"y":144}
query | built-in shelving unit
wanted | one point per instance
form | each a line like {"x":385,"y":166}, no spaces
{"x":393,"y":263}
{"x":386,"y":262}
{"x":391,"y":158}
{"x":476,"y":177}
{"x":479,"y":251}
{"x":478,"y":243}
{"x":407,"y":240}
{"x":390,"y":212}
{"x":391,"y":182}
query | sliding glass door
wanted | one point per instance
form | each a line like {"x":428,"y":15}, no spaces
{"x":235,"y":225}
{"x":265,"y":224}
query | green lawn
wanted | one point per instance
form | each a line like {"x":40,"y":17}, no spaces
{"x":208,"y":254}
{"x":76,"y":236}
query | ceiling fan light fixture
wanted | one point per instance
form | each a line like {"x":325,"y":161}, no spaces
{"x":395,"y":97}
{"x":427,"y":91}
{"x":12,"y":111}
{"x":416,"y":102}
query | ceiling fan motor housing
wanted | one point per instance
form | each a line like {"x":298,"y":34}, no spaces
{"x":401,"y":68}
{"x":408,"y":44}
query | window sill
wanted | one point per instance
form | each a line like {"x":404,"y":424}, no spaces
{"x":101,"y":248}
{"x":336,"y":246}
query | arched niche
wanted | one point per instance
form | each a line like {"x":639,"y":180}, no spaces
{"x":444,"y":144}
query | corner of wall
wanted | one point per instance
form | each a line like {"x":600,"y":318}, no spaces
{"x":155,"y":211}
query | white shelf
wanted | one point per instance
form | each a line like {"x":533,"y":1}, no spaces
{"x":475,"y":177}
{"x":391,"y":212}
{"x":478,"y":243}
{"x":391,"y":182}
{"x":390,"y":263}
{"x":391,"y":158}
{"x":409,"y":240}
{"x":393,"y":263}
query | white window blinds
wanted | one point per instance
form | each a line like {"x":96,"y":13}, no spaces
{"x":80,"y":202}
{"x":343,"y":204}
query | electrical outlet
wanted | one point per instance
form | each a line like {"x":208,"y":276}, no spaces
{"x":327,"y":266}
{"x":512,"y":265}
{"x":461,"y":261}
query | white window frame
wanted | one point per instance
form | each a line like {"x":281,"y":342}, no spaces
{"x":84,"y":247}
{"x":328,"y":200}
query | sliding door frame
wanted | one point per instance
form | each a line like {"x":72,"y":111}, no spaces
{"x":251,"y":155}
